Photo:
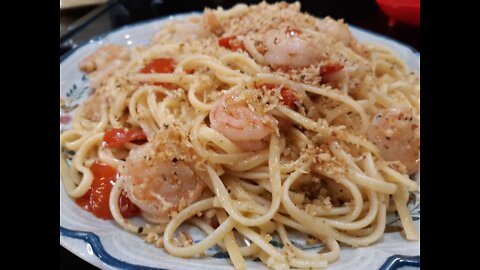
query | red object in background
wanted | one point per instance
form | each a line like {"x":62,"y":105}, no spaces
{"x":407,"y":11}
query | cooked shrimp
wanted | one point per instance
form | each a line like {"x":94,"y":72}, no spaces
{"x":103,"y":56}
{"x":396,"y":132}
{"x":182,"y":31}
{"x":340,"y":31}
{"x":336,"y":29}
{"x":103,"y":62}
{"x":162,"y":176}
{"x":289,"y":48}
{"x":239,"y":121}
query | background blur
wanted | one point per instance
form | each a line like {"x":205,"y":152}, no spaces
{"x":81,"y":20}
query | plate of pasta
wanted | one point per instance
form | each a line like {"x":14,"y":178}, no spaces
{"x":253,"y":137}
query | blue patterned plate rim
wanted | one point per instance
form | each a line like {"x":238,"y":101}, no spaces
{"x":392,"y":263}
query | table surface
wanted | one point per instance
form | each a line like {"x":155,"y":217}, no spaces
{"x":81,"y":24}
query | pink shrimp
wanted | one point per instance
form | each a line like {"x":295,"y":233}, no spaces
{"x":238,"y":120}
{"x":162,"y":176}
{"x":102,"y":63}
{"x":103,"y":56}
{"x":189,"y":30}
{"x":396,"y":132}
{"x":289,"y":48}
{"x":336,"y":29}
{"x":340,"y":31}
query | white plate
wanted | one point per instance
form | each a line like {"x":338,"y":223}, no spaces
{"x":103,"y":244}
